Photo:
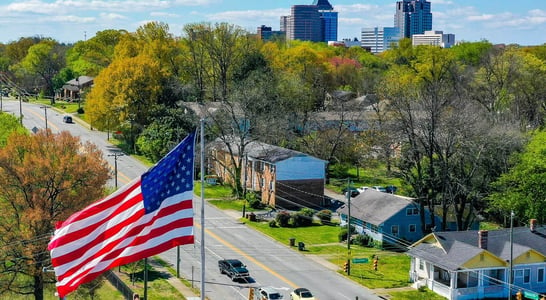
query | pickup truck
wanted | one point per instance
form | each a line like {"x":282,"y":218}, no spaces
{"x":234,"y":268}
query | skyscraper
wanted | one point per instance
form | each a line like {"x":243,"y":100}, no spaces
{"x":413,"y":17}
{"x":316,"y":22}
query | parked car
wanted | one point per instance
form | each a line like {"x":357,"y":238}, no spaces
{"x":363,"y":188}
{"x":379,"y":188}
{"x":354,"y":191}
{"x":301,"y":294}
{"x":391,"y":189}
{"x":268,"y":293}
{"x":67,"y":119}
{"x":234,"y":268}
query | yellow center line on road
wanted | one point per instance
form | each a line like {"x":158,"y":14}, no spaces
{"x":248,"y":257}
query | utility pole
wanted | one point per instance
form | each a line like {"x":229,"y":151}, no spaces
{"x":348,"y":226}
{"x":115,"y":155}
{"x":510,"y":279}
{"x":45,"y":114}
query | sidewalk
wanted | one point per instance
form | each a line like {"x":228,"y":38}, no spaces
{"x":175,"y":282}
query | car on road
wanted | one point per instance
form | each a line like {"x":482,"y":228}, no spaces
{"x":234,"y":268}
{"x":301,"y":294}
{"x":67,"y":119}
{"x":268,"y":293}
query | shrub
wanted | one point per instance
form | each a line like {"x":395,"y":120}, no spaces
{"x":325,"y":216}
{"x":272,"y":223}
{"x":305,"y":217}
{"x":254,"y":201}
{"x":361,"y":240}
{"x":81,"y":111}
{"x":282,"y":219}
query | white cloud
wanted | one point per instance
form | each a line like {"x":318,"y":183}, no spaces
{"x":483,"y":17}
{"x":112,"y":16}
{"x":164,"y":14}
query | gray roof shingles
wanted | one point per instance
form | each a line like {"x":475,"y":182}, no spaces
{"x":457,"y":247}
{"x":376,"y":207}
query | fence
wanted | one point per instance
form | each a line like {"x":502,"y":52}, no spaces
{"x":119,"y":285}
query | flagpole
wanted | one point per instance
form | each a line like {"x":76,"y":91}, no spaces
{"x":203,"y":209}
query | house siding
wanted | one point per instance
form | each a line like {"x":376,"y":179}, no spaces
{"x":290,"y":183}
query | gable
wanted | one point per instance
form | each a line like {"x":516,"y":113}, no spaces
{"x":530,"y":257}
{"x":484,"y":259}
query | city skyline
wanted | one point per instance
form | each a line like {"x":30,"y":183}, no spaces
{"x":504,"y":21}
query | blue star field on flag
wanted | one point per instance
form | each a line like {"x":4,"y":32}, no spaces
{"x":172,"y":175}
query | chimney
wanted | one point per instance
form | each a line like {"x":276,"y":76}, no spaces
{"x":482,"y":239}
{"x":533,"y":225}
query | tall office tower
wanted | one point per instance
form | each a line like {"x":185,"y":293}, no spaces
{"x":379,"y":39}
{"x":328,"y":25}
{"x":413,"y":17}
{"x":304,"y":24}
{"x":316,"y":22}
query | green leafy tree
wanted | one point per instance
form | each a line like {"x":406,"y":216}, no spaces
{"x":91,"y":56}
{"x":46,"y":59}
{"x":521,"y":189}
{"x":169,"y":127}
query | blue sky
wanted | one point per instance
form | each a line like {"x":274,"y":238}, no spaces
{"x":67,"y":21}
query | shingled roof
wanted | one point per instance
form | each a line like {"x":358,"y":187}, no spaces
{"x":376,"y":207}
{"x":452,"y":249}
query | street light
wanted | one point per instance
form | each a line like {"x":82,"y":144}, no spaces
{"x":115,"y":155}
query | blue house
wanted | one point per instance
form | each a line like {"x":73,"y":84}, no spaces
{"x":385,"y":217}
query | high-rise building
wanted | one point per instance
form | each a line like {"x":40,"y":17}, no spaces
{"x":316,"y":22}
{"x":379,"y":39}
{"x":413,"y":17}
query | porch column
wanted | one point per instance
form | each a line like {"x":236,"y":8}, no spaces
{"x":452,"y":283}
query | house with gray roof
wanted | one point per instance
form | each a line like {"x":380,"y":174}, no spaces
{"x":476,"y":264}
{"x":385,"y":217}
{"x":283,"y":178}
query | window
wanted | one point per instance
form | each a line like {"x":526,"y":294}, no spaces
{"x":394,"y":230}
{"x":412,"y":211}
{"x":540,"y":275}
{"x":493,"y":277}
{"x":526,"y":275}
{"x":412,"y":228}
{"x":421,"y":264}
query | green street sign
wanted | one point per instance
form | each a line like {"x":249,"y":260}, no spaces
{"x":530,"y":295}
{"x":360,"y":260}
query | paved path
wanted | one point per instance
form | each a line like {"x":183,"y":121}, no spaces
{"x":175,"y":282}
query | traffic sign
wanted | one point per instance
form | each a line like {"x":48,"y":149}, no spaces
{"x":530,"y":295}
{"x":360,"y":260}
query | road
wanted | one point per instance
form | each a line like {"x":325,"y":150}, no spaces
{"x":270,"y":263}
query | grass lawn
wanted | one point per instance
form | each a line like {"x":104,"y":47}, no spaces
{"x":322,"y":240}
{"x":415,"y":295}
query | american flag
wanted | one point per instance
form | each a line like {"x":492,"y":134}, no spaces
{"x":149,"y":215}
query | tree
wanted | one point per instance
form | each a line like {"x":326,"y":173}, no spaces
{"x":45,"y":59}
{"x":521,"y":189}
{"x":124,"y":95}
{"x":445,"y":156}
{"x":93,"y":55}
{"x":44,"y":178}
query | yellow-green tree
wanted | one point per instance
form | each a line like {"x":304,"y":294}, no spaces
{"x":124,"y":94}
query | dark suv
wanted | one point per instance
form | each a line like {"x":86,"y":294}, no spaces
{"x":234,"y":268}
